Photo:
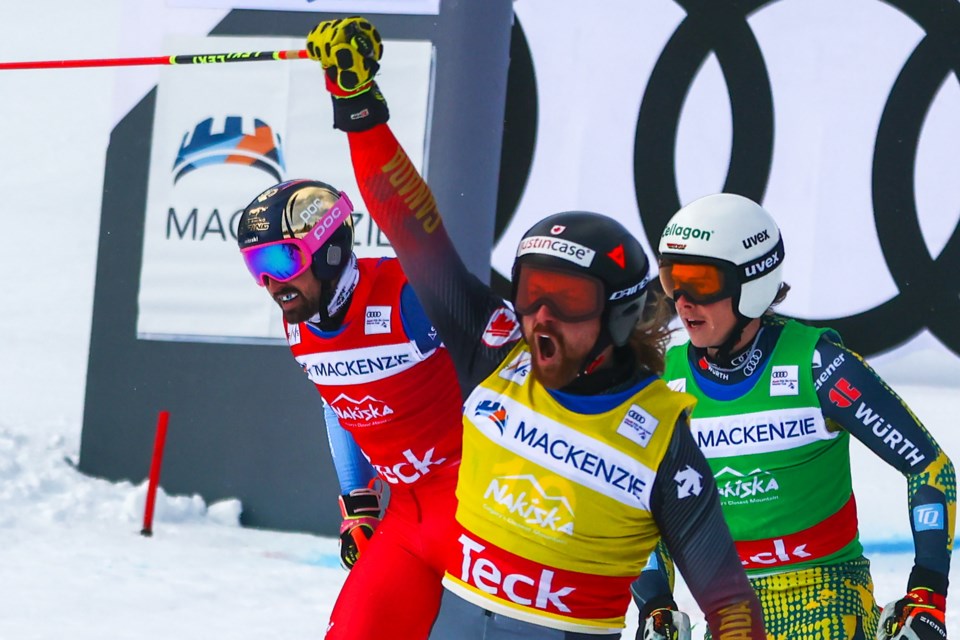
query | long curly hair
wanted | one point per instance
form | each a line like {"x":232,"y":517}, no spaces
{"x":652,"y":332}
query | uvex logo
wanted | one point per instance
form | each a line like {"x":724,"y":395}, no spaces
{"x":843,"y":394}
{"x":758,"y":268}
{"x":756,"y":239}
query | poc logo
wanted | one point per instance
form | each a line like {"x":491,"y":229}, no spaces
{"x":928,"y":517}
{"x":311,"y":210}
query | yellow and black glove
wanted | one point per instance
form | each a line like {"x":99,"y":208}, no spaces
{"x":349,"y":50}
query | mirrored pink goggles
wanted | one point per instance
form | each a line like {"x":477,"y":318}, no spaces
{"x":284,"y":260}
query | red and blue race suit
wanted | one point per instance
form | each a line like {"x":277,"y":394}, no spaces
{"x":391,"y":387}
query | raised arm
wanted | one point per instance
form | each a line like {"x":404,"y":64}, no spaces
{"x":461,"y":307}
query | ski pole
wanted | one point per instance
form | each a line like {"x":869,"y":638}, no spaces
{"x":203,"y":58}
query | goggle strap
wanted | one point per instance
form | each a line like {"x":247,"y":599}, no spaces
{"x":634,"y":289}
{"x":763,"y":265}
{"x":328,"y":223}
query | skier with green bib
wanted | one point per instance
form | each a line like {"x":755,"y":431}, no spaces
{"x":777,"y":402}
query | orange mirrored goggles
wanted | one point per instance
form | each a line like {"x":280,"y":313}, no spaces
{"x":569,"y":296}
{"x":701,"y":283}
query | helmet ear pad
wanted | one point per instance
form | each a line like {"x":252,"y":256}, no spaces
{"x":332,"y":257}
{"x":623,"y":317}
{"x":754,"y":298}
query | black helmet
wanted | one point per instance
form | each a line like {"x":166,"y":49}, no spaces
{"x":594,"y":245}
{"x":290,"y":210}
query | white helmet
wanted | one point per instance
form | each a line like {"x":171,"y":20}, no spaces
{"x":734,"y":233}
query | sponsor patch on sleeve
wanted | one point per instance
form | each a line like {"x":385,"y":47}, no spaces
{"x":680,"y":384}
{"x":502,"y":328}
{"x":928,"y":517}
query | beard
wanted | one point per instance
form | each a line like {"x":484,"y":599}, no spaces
{"x":553,"y":365}
{"x":300,"y":309}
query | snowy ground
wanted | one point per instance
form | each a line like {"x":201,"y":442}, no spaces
{"x":75,"y":565}
{"x":72,"y":562}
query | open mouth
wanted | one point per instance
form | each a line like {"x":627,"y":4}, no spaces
{"x":546,"y":346}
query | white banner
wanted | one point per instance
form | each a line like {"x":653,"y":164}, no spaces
{"x":221,"y":135}
{"x":834,"y":136}
{"x":348,"y":7}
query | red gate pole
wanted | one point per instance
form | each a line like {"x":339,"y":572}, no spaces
{"x":158,"y":445}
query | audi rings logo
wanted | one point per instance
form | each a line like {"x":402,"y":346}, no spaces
{"x":927,"y":284}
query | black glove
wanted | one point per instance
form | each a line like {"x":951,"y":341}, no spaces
{"x":361,"y":514}
{"x":349,"y":51}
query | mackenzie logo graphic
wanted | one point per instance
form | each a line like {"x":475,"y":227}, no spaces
{"x":493,"y":410}
{"x":260,"y":149}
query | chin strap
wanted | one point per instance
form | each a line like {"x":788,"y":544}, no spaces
{"x":595,"y":358}
{"x":725,"y":348}
{"x":620,"y":374}
{"x":335,"y":300}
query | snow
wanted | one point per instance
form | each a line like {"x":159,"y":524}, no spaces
{"x":74,"y":564}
